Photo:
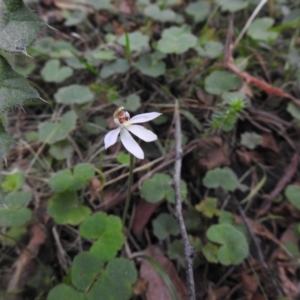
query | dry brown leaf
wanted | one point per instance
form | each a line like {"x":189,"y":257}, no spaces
{"x":95,"y":187}
{"x":269,"y":142}
{"x":250,"y":285}
{"x":157,"y":290}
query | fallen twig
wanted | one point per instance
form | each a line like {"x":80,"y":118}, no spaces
{"x":188,"y":249}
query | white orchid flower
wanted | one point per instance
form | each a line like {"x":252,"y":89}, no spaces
{"x":125,"y":125}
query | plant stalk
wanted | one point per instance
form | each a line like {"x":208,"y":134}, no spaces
{"x":130,"y":179}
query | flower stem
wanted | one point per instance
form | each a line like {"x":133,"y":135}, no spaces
{"x":130,"y":179}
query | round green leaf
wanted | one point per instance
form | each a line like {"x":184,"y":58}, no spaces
{"x":234,"y":247}
{"x":137,"y":41}
{"x":147,"y":65}
{"x":85,"y":171}
{"x":13,"y":182}
{"x":199,"y":10}
{"x":232,"y":5}
{"x":13,"y":217}
{"x":156,"y":188}
{"x":224,"y":178}
{"x":154,"y":12}
{"x":107,"y":230}
{"x":171,"y":194}
{"x":119,"y":66}
{"x":16,"y":200}
{"x":74,"y":94}
{"x":65,"y":209}
{"x":61,"y":150}
{"x":210,"y":251}
{"x":85,"y":268}
{"x":53,"y":72}
{"x":176,"y":40}
{"x":165,"y":225}
{"x":51,"y":133}
{"x":219,"y":82}
{"x":131,"y":103}
{"x":210,"y":49}
{"x":260,"y":30}
{"x":61,"y":181}
{"x":292,"y":193}
{"x":63,"y":291}
{"x":115,"y":283}
{"x":251,"y":139}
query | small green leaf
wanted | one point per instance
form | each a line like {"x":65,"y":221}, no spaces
{"x":165,"y":225}
{"x":232,"y":5}
{"x":63,"y":291}
{"x":61,"y":181}
{"x":131,"y":103}
{"x":19,"y":26}
{"x":192,"y":219}
{"x":16,"y":200}
{"x":224,"y":178}
{"x":294,"y":110}
{"x":61,"y":150}
{"x":115,"y":283}
{"x":74,"y":93}
{"x":137,"y":41}
{"x":5,"y":138}
{"x":183,"y":192}
{"x":120,"y":66}
{"x":199,"y":10}
{"x":53,"y":72}
{"x":51,"y":133}
{"x":176,"y":40}
{"x":219,"y":82}
{"x":234,"y":247}
{"x":14,"y":88}
{"x":149,"y":66}
{"x":76,"y":17}
{"x":210,"y":251}
{"x":13,"y":182}
{"x":176,"y":251}
{"x":156,"y":188}
{"x":65,"y":209}
{"x":211,"y":49}
{"x":162,"y":15}
{"x":14,"y":217}
{"x":251,"y":139}
{"x":123,"y":158}
{"x":107,"y":230}
{"x":208,"y":207}
{"x":292,"y":193}
{"x":104,"y":55}
{"x":85,"y":268}
{"x":260,"y":30}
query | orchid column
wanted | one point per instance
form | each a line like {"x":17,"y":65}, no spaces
{"x":126,"y":125}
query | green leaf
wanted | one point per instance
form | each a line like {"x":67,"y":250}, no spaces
{"x":211,"y":49}
{"x":224,"y":178}
{"x":150,"y":66}
{"x":16,"y":200}
{"x":14,"y":88}
{"x":76,"y":17}
{"x":74,"y":93}
{"x":208,"y":207}
{"x":5,"y":138}
{"x":156,"y":188}
{"x":63,"y":291}
{"x":260,"y":30}
{"x":232,"y":5}
{"x":210,"y":252}
{"x":165,"y":225}
{"x":251,"y":139}
{"x":176,"y":40}
{"x":294,"y":110}
{"x":119,"y":66}
{"x":14,"y":217}
{"x":61,"y":150}
{"x":19,"y":26}
{"x":131,"y":103}
{"x":123,"y":158}
{"x":219,"y":82}
{"x":138,"y":41}
{"x":61,"y":181}
{"x":234,"y":247}
{"x":104,"y":55}
{"x":107,"y":230}
{"x":191,"y":118}
{"x":292,"y":193}
{"x":13,"y":182}
{"x":85,"y":268}
{"x":51,"y":133}
{"x":53,"y":72}
{"x":176,"y":251}
{"x":199,"y":10}
{"x":162,"y":15}
{"x":171,"y":194}
{"x":115,"y":283}
{"x":192,"y":219}
{"x":65,"y":209}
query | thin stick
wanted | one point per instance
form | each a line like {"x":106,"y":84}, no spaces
{"x":188,"y":249}
{"x":130,"y":179}
{"x":250,"y":20}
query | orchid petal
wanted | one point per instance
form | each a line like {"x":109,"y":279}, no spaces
{"x":111,"y":137}
{"x":143,"y":133}
{"x":142,"y":118}
{"x":130,"y":144}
